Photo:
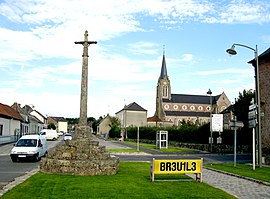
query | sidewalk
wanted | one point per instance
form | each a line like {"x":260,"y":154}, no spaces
{"x":238,"y":187}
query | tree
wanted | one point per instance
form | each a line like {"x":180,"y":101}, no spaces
{"x":241,"y":109}
{"x":51,"y":126}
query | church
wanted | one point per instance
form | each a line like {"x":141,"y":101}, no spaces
{"x":175,"y":109}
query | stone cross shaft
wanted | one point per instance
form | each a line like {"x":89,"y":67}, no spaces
{"x":84,"y":81}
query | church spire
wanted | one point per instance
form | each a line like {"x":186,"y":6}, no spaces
{"x":163,"y":73}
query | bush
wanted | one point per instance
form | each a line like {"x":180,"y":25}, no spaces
{"x":115,"y":132}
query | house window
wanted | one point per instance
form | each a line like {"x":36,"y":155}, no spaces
{"x":1,"y":129}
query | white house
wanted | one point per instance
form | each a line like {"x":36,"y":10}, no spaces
{"x":10,"y":121}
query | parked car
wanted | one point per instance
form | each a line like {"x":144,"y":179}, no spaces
{"x":60,"y":133}
{"x":29,"y":147}
{"x":50,"y":134}
{"x":67,"y":136}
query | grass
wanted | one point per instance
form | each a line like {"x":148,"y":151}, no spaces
{"x":262,"y":174}
{"x":170,"y":149}
{"x":122,"y":150}
{"x":131,"y":181}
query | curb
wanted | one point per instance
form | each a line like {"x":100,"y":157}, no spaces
{"x":238,"y":176}
{"x":17,"y":181}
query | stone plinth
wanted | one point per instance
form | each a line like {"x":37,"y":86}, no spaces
{"x":80,"y":156}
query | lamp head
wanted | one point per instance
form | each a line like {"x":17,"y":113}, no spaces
{"x":209,"y":92}
{"x":231,"y":50}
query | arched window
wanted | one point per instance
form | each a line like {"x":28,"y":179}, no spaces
{"x":165,"y":91}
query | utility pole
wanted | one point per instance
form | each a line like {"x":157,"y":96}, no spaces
{"x":84,"y":81}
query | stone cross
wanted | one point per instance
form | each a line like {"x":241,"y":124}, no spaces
{"x":84,"y":81}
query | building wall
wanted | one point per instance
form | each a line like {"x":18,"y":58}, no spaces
{"x":265,"y":103}
{"x":62,"y":126}
{"x":104,"y":127}
{"x":10,"y":126}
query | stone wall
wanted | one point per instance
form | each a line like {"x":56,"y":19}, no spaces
{"x":80,"y":156}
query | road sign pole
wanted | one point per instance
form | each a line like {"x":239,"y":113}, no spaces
{"x":253,"y":148}
{"x":234,"y":162}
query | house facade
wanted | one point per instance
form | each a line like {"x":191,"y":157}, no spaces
{"x":10,"y":121}
{"x":104,"y":127}
{"x":60,"y":123}
{"x":179,"y":108}
{"x":132,"y":115}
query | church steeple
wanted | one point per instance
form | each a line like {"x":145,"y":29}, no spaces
{"x":163,"y":73}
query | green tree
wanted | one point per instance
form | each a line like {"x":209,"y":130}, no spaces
{"x":241,"y":109}
{"x":51,"y":126}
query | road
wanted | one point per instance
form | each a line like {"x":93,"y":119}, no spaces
{"x":10,"y":170}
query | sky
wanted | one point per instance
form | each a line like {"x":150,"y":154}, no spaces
{"x":41,"y":66}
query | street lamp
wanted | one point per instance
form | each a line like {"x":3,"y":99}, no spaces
{"x":232,"y":51}
{"x":209,"y":92}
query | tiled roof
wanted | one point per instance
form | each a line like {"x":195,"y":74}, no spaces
{"x":8,"y":112}
{"x":191,"y":99}
{"x":58,"y":119}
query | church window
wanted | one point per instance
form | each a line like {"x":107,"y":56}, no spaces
{"x":165,"y":91}
{"x":175,"y":107}
{"x":208,"y":108}
{"x":166,"y":106}
{"x":200,"y":108}
{"x":192,"y":108}
{"x":184,"y":107}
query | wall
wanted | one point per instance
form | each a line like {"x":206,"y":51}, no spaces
{"x":9,"y":126}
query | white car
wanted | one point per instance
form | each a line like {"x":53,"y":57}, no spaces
{"x":29,"y":147}
{"x":67,"y":136}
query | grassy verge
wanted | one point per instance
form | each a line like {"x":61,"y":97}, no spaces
{"x":170,"y":149}
{"x":132,"y":181}
{"x":121,"y":150}
{"x":244,"y":170}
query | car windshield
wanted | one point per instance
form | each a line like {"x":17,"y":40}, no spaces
{"x":68,"y":135}
{"x":27,"y":143}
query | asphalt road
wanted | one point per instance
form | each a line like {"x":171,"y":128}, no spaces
{"x":10,"y":170}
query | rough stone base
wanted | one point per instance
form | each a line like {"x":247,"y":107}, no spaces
{"x":80,"y":156}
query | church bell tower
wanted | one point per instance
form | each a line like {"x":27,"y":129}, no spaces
{"x":163,"y":90}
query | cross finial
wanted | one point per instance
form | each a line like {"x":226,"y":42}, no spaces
{"x":163,"y":49}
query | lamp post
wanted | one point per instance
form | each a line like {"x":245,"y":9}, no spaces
{"x":232,"y":51}
{"x":209,"y":92}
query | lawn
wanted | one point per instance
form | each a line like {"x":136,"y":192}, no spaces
{"x":244,"y":170}
{"x":170,"y":149}
{"x":132,"y":181}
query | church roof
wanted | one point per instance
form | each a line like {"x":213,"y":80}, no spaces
{"x":191,"y":99}
{"x":187,"y":113}
{"x":163,"y":73}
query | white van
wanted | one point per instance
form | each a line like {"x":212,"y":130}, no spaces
{"x":29,"y":147}
{"x":50,"y":134}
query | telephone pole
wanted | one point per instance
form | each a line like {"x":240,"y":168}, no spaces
{"x":84,"y":81}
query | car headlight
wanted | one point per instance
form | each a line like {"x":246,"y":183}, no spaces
{"x":31,"y":152}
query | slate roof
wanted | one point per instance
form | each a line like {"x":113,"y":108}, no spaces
{"x":262,"y":57}
{"x":191,"y":99}
{"x":9,"y":113}
{"x":133,"y":107}
{"x":163,"y":73}
{"x":187,"y":113}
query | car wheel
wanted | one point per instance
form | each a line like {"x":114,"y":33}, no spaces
{"x":37,"y":158}
{"x":45,"y":154}
{"x":15,"y":159}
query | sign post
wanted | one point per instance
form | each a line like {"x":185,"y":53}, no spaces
{"x":252,"y":122}
{"x":234,"y":123}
